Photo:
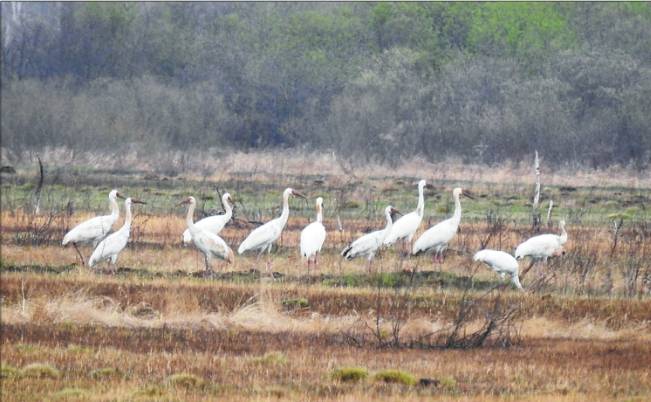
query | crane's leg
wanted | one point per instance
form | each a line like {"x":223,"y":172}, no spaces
{"x":269,"y":265}
{"x":523,"y":273}
{"x":83,"y":260}
{"x":208,"y":270}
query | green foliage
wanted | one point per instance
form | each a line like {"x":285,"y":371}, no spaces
{"x":350,"y":374}
{"x":185,"y":380}
{"x":7,"y":371}
{"x":296,"y":303}
{"x":70,"y":394}
{"x":274,"y":358}
{"x":40,"y":370}
{"x":395,"y":377}
{"x":106,"y":373}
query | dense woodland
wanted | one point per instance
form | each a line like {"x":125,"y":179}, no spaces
{"x":374,"y":81}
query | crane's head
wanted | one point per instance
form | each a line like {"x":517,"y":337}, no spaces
{"x":115,"y":194}
{"x":459,"y":192}
{"x":190,"y":200}
{"x":319,"y":202}
{"x":290,"y":191}
{"x":390,"y":211}
{"x":227,"y":198}
{"x":421,"y":184}
{"x":130,"y":201}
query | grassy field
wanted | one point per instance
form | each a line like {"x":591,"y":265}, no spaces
{"x":158,"y":329}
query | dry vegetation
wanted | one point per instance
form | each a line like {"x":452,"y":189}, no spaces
{"x":159,"y":330}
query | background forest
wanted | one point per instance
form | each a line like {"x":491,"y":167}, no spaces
{"x":382,"y":82}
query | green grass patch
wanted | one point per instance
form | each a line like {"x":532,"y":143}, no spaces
{"x":149,"y":392}
{"x":350,"y":374}
{"x":185,"y":380}
{"x":297,"y":303}
{"x":448,"y":383}
{"x":271,"y":358}
{"x":7,"y":371}
{"x":105,"y":373}
{"x":395,"y":377}
{"x":67,"y":394}
{"x":40,"y":370}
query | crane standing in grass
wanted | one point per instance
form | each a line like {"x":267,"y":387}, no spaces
{"x":437,"y":237}
{"x":209,"y":243}
{"x":541,"y":247}
{"x":262,"y":238}
{"x":113,"y":244}
{"x":500,"y":262}
{"x":95,"y":229}
{"x":213,"y":224}
{"x":406,"y":226}
{"x":370,"y":243}
{"x":313,"y":236}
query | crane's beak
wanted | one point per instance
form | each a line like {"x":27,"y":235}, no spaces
{"x":297,"y":194}
{"x":137,"y":201}
{"x":119,"y":195}
{"x":183,"y":202}
{"x":395,"y":211}
{"x":468,"y":194}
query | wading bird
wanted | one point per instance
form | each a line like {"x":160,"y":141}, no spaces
{"x":262,"y":238}
{"x":110,"y":248}
{"x":95,"y":229}
{"x":213,"y":224}
{"x":406,"y":226}
{"x":313,"y":236}
{"x":370,"y":243}
{"x":500,"y":262}
{"x":437,"y":237}
{"x":210,"y":244}
{"x":541,"y":247}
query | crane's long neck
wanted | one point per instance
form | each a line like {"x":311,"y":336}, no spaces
{"x":128,"y":218}
{"x":229,"y":210}
{"x":563,"y":236}
{"x":285,"y":214}
{"x":457,"y":210}
{"x":319,"y":213}
{"x":115,"y":208}
{"x":188,"y":218}
{"x":389,"y":225}
{"x":420,"y":208}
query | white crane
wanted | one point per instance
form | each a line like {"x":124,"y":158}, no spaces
{"x":313,"y":236}
{"x":113,"y":244}
{"x":262,"y":238}
{"x":438,"y":236}
{"x":210,"y":244}
{"x":95,"y":229}
{"x":541,"y":247}
{"x":500,"y":262}
{"x":406,"y":226}
{"x":370,"y":243}
{"x":213,"y":224}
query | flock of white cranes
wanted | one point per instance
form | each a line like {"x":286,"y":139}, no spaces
{"x":204,"y":234}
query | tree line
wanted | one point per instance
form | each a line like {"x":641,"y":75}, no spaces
{"x":371,"y":81}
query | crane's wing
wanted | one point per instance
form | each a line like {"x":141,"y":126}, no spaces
{"x":213,"y":243}
{"x":91,"y":230}
{"x":260,"y":236}
{"x":437,"y":235}
{"x":405,"y":226}
{"x":113,"y":244}
{"x":312,"y":238}
{"x":213,"y":224}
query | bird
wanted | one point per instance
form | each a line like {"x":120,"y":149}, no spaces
{"x":406,"y":226}
{"x":209,"y":243}
{"x":113,"y":244}
{"x":213,"y":224}
{"x":313,"y":236}
{"x":95,"y":229}
{"x":501,"y":262}
{"x":438,"y":236}
{"x":541,"y":247}
{"x":263,"y":237}
{"x":370,"y":243}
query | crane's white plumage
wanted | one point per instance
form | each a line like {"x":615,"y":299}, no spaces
{"x":370,"y":243}
{"x":213,"y":224}
{"x":263,"y":237}
{"x":113,"y":244}
{"x":95,"y":229}
{"x":210,"y":244}
{"x":500,"y":262}
{"x":437,"y":237}
{"x":543,"y":246}
{"x":406,"y":226}
{"x":314,"y":234}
